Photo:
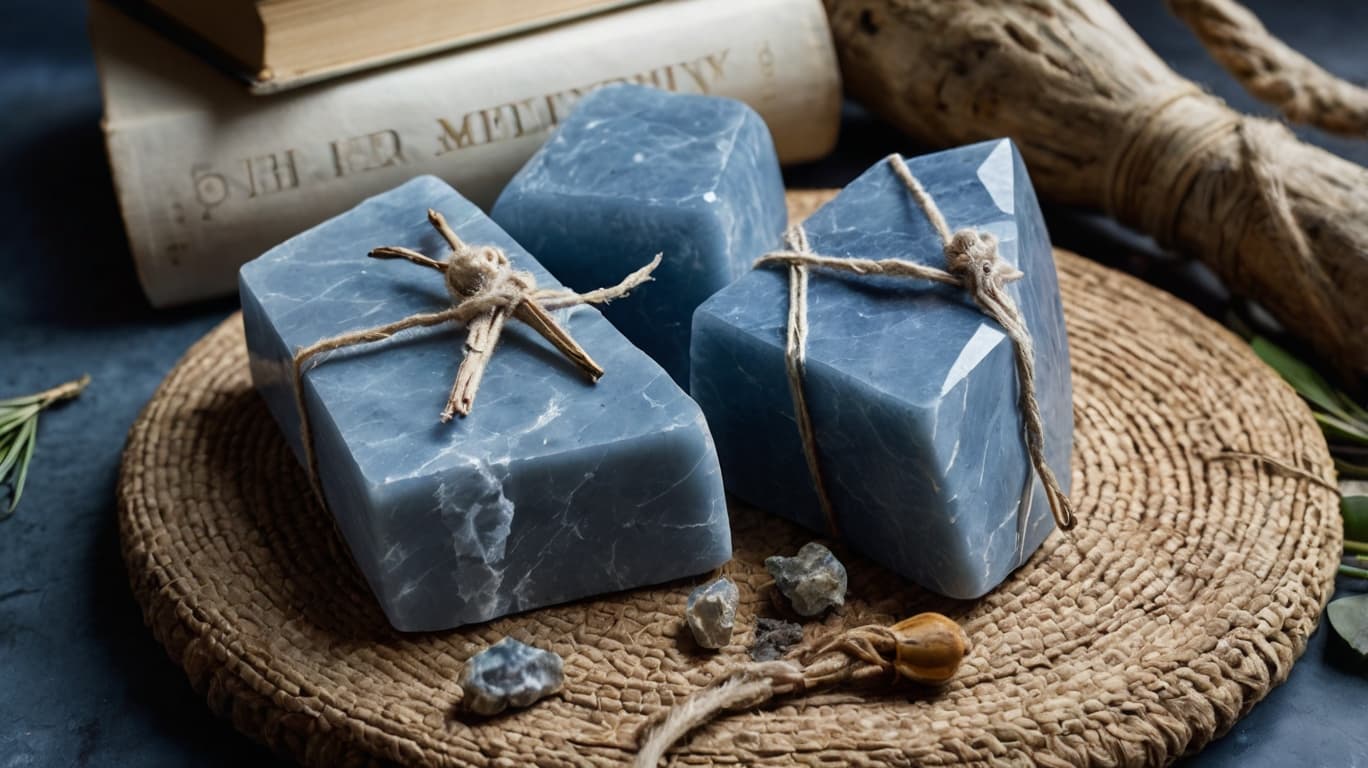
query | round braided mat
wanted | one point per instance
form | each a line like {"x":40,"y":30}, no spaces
{"x":1186,"y":592}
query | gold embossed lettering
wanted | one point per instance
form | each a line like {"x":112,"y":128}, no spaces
{"x":452,"y":138}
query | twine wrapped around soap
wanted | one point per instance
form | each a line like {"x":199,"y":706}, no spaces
{"x":484,"y":290}
{"x":926,"y":649}
{"x":972,"y":263}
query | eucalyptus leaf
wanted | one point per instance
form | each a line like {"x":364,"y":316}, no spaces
{"x":1349,"y":617}
{"x":1302,"y":377}
{"x":1355,"y":512}
{"x":1336,"y":427}
{"x":1348,"y":471}
{"x":1355,"y":411}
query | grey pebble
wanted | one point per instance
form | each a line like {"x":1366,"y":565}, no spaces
{"x":813,"y":580}
{"x":509,"y":674}
{"x":711,"y":613}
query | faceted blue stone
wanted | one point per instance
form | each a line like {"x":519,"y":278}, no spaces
{"x":552,"y":489}
{"x":637,"y":171}
{"x":912,"y":390}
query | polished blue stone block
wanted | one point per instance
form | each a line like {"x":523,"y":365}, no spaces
{"x":552,"y":489}
{"x":636,"y":171}
{"x":912,"y":390}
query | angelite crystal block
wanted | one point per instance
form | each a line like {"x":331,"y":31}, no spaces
{"x":912,"y":390}
{"x":637,"y":171}
{"x":552,"y":489}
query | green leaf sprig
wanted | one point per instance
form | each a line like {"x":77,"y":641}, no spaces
{"x":1345,"y":424}
{"x":1349,"y":617}
{"x":19,"y":433}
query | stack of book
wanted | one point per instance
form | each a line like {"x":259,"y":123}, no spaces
{"x":232,"y":125}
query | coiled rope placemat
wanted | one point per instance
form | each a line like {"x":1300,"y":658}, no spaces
{"x":1202,"y":559}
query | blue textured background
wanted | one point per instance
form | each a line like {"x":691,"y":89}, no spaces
{"x":81,"y":680}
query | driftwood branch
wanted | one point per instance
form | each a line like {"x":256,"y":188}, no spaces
{"x":1272,"y":71}
{"x":1103,"y":122}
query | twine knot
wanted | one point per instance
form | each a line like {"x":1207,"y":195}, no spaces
{"x":973,"y":264}
{"x":973,"y":257}
{"x":480,"y":279}
{"x":485,"y":291}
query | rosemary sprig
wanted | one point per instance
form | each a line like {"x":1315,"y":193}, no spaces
{"x":19,"y":434}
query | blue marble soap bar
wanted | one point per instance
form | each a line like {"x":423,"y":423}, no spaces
{"x":912,"y":390}
{"x":552,"y":489}
{"x":636,"y":171}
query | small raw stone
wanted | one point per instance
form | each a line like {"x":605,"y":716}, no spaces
{"x":711,"y":613}
{"x":813,"y":580}
{"x":774,"y":637}
{"x":509,"y":674}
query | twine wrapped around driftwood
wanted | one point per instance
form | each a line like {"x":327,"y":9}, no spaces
{"x":484,"y":290}
{"x":972,"y":263}
{"x":1103,"y":122}
{"x":926,"y":648}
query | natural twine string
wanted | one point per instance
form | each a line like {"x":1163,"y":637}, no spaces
{"x":1154,"y":168}
{"x":484,"y":290}
{"x":926,"y":648}
{"x":1277,"y":465}
{"x":972,"y":263}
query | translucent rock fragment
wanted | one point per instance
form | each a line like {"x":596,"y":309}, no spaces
{"x":509,"y":674}
{"x":711,"y":613}
{"x":813,"y":580}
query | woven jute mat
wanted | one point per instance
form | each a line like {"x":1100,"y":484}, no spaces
{"x":1189,"y":587}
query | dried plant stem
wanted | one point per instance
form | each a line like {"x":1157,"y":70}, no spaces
{"x":482,"y":334}
{"x":927,"y":649}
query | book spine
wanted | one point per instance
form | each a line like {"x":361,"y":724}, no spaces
{"x":207,"y":188}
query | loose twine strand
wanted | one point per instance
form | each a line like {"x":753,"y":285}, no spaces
{"x":926,"y":648}
{"x":972,"y":263}
{"x":484,"y":290}
{"x":1272,"y":71}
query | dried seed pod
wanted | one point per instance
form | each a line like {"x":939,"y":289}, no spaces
{"x":929,"y":648}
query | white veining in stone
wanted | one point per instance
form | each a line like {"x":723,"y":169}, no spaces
{"x":553,"y":489}
{"x":913,"y":392}
{"x":635,"y":171}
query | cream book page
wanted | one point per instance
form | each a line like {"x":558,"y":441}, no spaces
{"x":209,"y":176}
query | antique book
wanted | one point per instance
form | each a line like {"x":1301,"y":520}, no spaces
{"x":209,"y":176}
{"x":278,"y":44}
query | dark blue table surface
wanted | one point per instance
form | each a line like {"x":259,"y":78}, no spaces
{"x":81,"y":680}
